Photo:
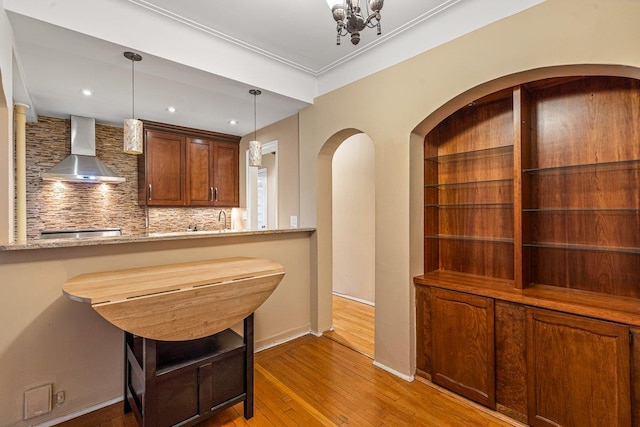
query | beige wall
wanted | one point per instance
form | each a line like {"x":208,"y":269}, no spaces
{"x":48,"y":338}
{"x":45,"y":336}
{"x":395,"y":102}
{"x":286,"y":133}
{"x":353,"y":202}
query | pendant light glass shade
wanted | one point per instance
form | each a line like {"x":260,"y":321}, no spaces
{"x":133,"y":127}
{"x":255,"y":146}
{"x":133,"y":136}
{"x":255,"y":153}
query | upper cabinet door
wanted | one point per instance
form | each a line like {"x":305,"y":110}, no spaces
{"x":225,"y":174}
{"x":199,"y":171}
{"x":164,"y":163}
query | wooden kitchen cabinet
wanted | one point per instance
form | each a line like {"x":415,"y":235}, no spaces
{"x":200,"y":172}
{"x":199,"y":168}
{"x":579,"y":371}
{"x":463,"y":344}
{"x":182,"y":383}
{"x":163,"y":169}
{"x":225,"y":177}
{"x":212,"y":173}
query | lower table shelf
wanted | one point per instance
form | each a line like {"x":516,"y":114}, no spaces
{"x":169,"y":383}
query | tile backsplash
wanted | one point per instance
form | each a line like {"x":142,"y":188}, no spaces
{"x":54,"y":205}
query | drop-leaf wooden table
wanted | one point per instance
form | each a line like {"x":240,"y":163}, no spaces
{"x":182,"y":362}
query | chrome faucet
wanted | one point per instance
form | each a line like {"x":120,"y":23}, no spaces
{"x":225,"y":219}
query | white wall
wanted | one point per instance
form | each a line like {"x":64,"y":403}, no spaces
{"x":6,"y":129}
{"x":354,"y":257}
{"x":269,"y":162}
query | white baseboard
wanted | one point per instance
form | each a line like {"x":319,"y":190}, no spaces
{"x":408,"y":378}
{"x":356,"y":299}
{"x":282,"y":338}
{"x":79,"y":413}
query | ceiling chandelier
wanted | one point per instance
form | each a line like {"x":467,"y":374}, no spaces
{"x":350,"y":20}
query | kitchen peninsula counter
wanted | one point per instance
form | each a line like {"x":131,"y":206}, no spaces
{"x":141,"y":238}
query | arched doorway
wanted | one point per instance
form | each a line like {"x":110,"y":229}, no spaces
{"x":353,"y":229}
{"x":347,"y":174}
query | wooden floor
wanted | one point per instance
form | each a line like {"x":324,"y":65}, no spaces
{"x":314,"y":381}
{"x":353,"y":325}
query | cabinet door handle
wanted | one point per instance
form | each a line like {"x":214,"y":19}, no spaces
{"x":150,"y":192}
{"x":211,"y":197}
{"x":216,"y":193}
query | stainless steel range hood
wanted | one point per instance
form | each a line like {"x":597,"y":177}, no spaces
{"x":82,"y":165}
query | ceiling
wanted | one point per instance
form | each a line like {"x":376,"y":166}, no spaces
{"x":202,"y":58}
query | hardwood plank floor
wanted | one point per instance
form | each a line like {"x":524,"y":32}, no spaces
{"x":314,"y":381}
{"x":353,"y":325}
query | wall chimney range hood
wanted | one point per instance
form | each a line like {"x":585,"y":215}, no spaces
{"x":82,"y":165}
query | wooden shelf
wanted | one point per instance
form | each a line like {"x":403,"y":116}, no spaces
{"x":631,"y":164}
{"x":584,"y":303}
{"x":470,"y":238}
{"x":468,"y":205}
{"x":600,"y":248}
{"x":175,"y":355}
{"x":482,"y":154}
{"x":470,"y":183}
{"x":579,"y":210}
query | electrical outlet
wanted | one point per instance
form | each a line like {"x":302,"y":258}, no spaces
{"x":293,"y":222}
{"x":58,"y":398}
{"x":37,"y":401}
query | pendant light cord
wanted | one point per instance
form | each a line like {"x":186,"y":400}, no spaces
{"x":133,"y":57}
{"x":133,"y":90}
{"x":255,"y":92}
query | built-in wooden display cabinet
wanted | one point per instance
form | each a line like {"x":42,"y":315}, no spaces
{"x":531,"y":292}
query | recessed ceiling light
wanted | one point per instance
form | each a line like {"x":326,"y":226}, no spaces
{"x":233,"y":122}
{"x":87,"y":92}
{"x":171,"y":109}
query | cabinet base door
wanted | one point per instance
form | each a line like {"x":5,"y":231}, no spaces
{"x":463,"y":345}
{"x":578,"y":371}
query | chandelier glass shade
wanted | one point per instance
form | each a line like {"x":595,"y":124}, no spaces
{"x":133,"y":141}
{"x":255,"y":147}
{"x":350,"y":19}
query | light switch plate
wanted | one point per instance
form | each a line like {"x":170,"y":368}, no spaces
{"x":37,"y":401}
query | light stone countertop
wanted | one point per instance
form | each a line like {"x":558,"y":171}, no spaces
{"x":139,"y":238}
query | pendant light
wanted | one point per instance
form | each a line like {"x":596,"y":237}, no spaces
{"x":133,"y":127}
{"x":255,"y":147}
